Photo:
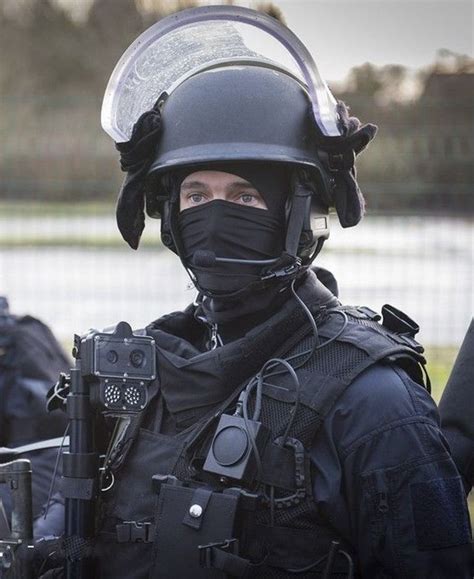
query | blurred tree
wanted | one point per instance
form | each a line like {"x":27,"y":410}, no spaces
{"x":109,"y":29}
{"x":365,"y":80}
{"x":454,"y":62}
{"x":393,"y":78}
{"x":54,"y":69}
{"x":45,"y":53}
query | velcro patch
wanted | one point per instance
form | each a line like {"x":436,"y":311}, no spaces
{"x":440,"y":514}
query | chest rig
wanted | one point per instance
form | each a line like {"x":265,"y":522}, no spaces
{"x":231,"y":495}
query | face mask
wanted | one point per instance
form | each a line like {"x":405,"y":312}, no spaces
{"x":229,"y":230}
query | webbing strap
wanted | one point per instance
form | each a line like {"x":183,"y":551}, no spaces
{"x":79,"y":488}
{"x":220,"y":556}
{"x":299,"y":210}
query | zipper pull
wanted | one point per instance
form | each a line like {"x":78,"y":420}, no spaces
{"x":382,"y":507}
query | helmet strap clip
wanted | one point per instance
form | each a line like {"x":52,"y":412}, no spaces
{"x":288,"y":270}
{"x":299,"y":214}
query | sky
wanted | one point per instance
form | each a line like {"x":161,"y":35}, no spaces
{"x":341,"y":34}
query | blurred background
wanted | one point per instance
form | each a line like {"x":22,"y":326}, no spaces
{"x":404,"y":65}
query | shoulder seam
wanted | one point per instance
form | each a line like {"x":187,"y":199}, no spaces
{"x":417,"y":419}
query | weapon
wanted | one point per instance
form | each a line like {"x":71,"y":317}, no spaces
{"x":111,"y":376}
{"x":456,"y":408}
{"x":17,"y":475}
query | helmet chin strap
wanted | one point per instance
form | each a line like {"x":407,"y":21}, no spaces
{"x":300,"y":210}
{"x":290,"y":264}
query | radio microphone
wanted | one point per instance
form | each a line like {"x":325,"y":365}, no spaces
{"x":206,"y":258}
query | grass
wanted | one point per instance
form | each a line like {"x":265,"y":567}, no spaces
{"x":440,"y":360}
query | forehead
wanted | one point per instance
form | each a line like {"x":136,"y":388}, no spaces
{"x":214,"y":179}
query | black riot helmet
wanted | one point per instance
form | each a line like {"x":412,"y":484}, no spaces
{"x":232,"y":103}
{"x":239,"y":112}
{"x":244,"y":113}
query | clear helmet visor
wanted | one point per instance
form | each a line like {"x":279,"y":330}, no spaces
{"x":190,"y":41}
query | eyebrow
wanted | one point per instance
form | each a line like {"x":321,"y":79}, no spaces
{"x":193,"y":184}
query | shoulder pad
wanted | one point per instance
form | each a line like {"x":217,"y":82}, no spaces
{"x":396,"y":325}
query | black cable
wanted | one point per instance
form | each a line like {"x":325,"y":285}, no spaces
{"x":309,"y":567}
{"x":251,"y":433}
{"x":317,"y":250}
{"x":313,"y":350}
{"x":306,"y":311}
{"x":257,"y":381}
{"x":266,"y":372}
{"x":314,"y":327}
{"x":350,"y":564}
{"x":55,"y":471}
{"x":258,"y":397}
{"x":289,"y":368}
{"x":273,"y":362}
{"x":336,"y":336}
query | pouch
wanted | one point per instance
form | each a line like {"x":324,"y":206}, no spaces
{"x":190,"y":522}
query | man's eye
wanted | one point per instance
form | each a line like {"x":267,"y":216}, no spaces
{"x":196,"y":197}
{"x":247,"y":198}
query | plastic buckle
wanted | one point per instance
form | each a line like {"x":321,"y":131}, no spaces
{"x":133,"y":532}
{"x":341,"y":161}
{"x":205,"y":551}
{"x":284,"y":271}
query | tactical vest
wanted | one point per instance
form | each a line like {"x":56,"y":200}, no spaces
{"x":169,"y":517}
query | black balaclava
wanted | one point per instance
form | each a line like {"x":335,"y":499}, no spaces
{"x":235,"y":231}
{"x":231,"y":230}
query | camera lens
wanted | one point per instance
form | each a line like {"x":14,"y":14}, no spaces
{"x":137,"y":358}
{"x":112,"y":356}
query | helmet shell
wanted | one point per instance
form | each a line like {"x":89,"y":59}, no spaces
{"x":246,"y":113}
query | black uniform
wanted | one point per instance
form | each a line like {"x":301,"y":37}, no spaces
{"x":376,"y":476}
{"x":327,"y":460}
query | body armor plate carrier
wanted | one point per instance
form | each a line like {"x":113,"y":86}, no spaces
{"x":194,"y":523}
